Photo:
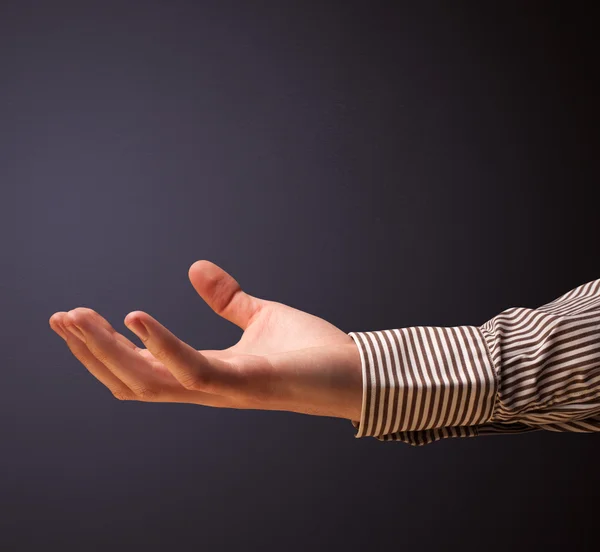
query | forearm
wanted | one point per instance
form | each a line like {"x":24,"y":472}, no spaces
{"x":525,"y":369}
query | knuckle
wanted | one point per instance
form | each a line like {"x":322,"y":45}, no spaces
{"x":121,"y":395}
{"x":164,"y":350}
{"x":160,"y":353}
{"x":99,"y":354}
{"x":194,"y":381}
{"x":146,"y":394}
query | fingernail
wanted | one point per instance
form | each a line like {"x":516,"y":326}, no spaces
{"x":137,"y":327}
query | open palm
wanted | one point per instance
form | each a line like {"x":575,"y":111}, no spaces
{"x":286,"y":359}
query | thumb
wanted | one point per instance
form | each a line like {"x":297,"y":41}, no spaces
{"x":223,"y":294}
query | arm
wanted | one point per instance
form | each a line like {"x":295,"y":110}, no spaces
{"x":523,"y":370}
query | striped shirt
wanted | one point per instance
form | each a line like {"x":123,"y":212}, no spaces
{"x":523,"y":370}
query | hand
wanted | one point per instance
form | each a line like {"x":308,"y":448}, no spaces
{"x":286,"y":359}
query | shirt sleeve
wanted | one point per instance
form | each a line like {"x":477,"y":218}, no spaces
{"x":524,"y":370}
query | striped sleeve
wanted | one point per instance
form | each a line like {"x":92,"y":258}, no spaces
{"x":524,"y":370}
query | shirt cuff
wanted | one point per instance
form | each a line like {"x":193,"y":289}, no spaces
{"x":421,"y":378}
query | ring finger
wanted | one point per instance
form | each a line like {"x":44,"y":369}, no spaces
{"x":81,"y":351}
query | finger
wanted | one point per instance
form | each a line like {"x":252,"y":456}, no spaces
{"x":59,"y":321}
{"x":125,"y":363}
{"x":82,"y":353}
{"x":192,"y":369}
{"x":102,"y":322}
{"x":223,"y":293}
{"x":123,"y":393}
{"x":139,"y":374}
{"x":55,"y":324}
{"x":120,"y":390}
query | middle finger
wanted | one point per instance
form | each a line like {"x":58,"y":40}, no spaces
{"x":93,"y":365}
{"x":123,"y":361}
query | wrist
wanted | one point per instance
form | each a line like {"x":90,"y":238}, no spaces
{"x":355,"y":380}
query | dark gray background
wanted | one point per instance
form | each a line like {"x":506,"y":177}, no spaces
{"x":377,"y":164}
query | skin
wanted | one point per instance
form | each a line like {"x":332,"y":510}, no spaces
{"x":285,"y":360}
